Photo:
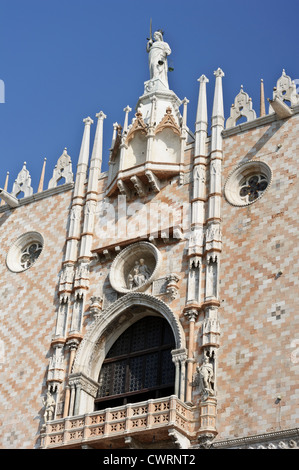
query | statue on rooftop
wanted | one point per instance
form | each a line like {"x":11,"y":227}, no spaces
{"x":158,"y":50}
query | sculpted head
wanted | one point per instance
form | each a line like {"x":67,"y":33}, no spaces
{"x":158,"y":36}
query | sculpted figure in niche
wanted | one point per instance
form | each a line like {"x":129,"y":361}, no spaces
{"x":49,"y":404}
{"x":205,"y":377}
{"x":158,"y":50}
{"x":138,"y":275}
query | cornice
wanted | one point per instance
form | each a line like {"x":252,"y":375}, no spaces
{"x":260,"y":121}
{"x":39,"y":196}
{"x":257,"y":439}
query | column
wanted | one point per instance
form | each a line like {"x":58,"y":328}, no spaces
{"x":191,"y":315}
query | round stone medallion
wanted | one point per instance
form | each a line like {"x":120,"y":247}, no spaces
{"x":135,"y":268}
{"x":24,"y":251}
{"x":247,"y":183}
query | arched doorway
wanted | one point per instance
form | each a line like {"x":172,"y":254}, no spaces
{"x":139,"y":365}
{"x":102,"y":335}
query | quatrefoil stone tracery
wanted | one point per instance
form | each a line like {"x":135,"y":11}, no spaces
{"x":253,"y":187}
{"x":30,"y":254}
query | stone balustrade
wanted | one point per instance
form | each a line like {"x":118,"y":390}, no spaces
{"x":75,"y":431}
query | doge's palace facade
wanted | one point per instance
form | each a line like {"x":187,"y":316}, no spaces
{"x":155,"y":305}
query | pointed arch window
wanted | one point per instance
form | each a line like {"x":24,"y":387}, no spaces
{"x":139,"y":365}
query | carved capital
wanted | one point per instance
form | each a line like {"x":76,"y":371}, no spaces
{"x":96,"y":305}
{"x":219,"y":72}
{"x":88,"y":121}
{"x":101,"y":115}
{"x":191,"y":314}
{"x":205,"y":440}
{"x":203,"y":79}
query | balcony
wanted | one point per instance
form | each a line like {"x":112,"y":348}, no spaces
{"x":143,"y":424}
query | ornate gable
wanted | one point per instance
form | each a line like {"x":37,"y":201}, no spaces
{"x":168,"y":121}
{"x":138,"y":125}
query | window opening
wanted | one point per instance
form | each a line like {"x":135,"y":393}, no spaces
{"x":139,"y":365}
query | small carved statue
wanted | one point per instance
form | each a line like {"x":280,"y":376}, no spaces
{"x":138,"y":275}
{"x":158,"y":51}
{"x":49,"y":404}
{"x":205,"y":377}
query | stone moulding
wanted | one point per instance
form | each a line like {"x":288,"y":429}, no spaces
{"x":39,"y":196}
{"x":123,"y":265}
{"x":85,"y":359}
{"x":284,"y":439}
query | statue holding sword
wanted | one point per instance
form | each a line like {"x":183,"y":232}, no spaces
{"x":158,"y":51}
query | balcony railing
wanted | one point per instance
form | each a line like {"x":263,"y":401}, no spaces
{"x":75,"y":431}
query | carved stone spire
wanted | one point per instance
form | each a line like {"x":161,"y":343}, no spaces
{"x":201,"y":124}
{"x":218,"y":95}
{"x":97,"y":151}
{"x":92,"y":189}
{"x":127,"y":109}
{"x":42,"y":177}
{"x":262,"y":100}
{"x":84,"y":151}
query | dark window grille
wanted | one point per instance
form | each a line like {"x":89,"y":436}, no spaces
{"x":139,"y":365}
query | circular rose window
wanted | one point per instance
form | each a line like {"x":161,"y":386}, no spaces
{"x":135,"y":268}
{"x":247,"y":183}
{"x":25,"y":251}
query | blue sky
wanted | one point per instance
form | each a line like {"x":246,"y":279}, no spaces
{"x":64,"y":60}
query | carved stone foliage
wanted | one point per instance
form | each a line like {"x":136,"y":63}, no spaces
{"x":172,"y":286}
{"x":63,"y":169}
{"x":96,"y":305}
{"x":22,"y":183}
{"x":85,"y":383}
{"x":135,"y":267}
{"x":153,"y":181}
{"x":242,"y":106}
{"x":138,"y":185}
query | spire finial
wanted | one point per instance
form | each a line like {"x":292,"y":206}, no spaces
{"x":262,"y":100}
{"x":127,"y":109}
{"x":218,"y":94}
{"x":98,"y":139}
{"x":201,"y":115}
{"x":84,"y":150}
{"x":42,"y":177}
